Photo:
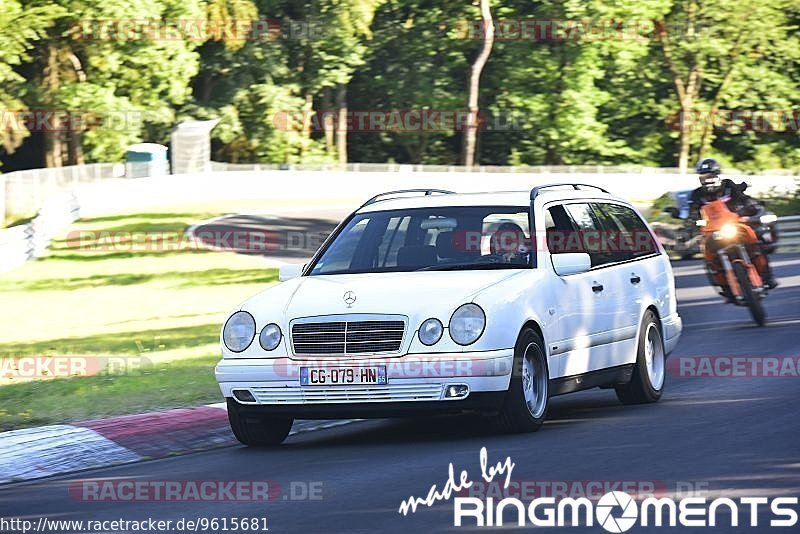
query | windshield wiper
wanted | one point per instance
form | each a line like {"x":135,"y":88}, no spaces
{"x":472,"y":266}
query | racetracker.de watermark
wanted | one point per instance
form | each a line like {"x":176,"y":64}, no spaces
{"x":65,"y":120}
{"x":737,"y":120}
{"x":194,"y":30}
{"x":734,"y":366}
{"x":31,"y":367}
{"x":138,"y":490}
{"x":560,"y":30}
{"x":202,"y":30}
{"x":258,"y":240}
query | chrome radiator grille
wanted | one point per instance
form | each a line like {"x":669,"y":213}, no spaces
{"x":347,"y":337}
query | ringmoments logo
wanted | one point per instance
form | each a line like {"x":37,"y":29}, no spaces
{"x":615,"y":511}
{"x":616,"y":500}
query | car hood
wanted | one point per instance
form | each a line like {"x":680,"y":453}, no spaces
{"x":415,"y":294}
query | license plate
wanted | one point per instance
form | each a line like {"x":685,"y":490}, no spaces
{"x":342,"y":376}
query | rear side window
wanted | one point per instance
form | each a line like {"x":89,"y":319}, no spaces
{"x":593,"y":235}
{"x":627,"y":233}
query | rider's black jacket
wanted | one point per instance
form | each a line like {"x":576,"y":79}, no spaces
{"x":737,"y":202}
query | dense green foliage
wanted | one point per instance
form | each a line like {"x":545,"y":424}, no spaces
{"x":599,"y":82}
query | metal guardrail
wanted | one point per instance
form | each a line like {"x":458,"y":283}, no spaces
{"x":540,"y":169}
{"x":789,"y":233}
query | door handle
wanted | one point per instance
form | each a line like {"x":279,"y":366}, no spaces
{"x":635,"y":279}
{"x":597,"y":288}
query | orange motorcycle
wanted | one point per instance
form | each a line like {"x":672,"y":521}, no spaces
{"x":733,"y":257}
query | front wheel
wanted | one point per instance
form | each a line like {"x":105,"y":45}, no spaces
{"x":525,"y":406}
{"x":750,"y":297}
{"x":647,"y":380}
{"x":257,"y":431}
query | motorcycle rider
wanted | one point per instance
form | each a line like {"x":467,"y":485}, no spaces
{"x":712,"y":187}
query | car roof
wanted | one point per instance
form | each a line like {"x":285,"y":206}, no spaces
{"x":492,"y":198}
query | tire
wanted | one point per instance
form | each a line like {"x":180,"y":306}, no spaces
{"x":750,"y":297}
{"x":257,"y":431}
{"x":526,"y":402}
{"x":649,"y":374}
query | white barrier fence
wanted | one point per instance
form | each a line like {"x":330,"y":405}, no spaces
{"x":23,"y":193}
{"x":30,"y":240}
{"x":57,"y":195}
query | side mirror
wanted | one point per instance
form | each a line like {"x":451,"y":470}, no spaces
{"x":673,"y":211}
{"x":571,"y":263}
{"x":287,"y":272}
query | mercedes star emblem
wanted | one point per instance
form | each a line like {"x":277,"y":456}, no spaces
{"x":349,"y":298}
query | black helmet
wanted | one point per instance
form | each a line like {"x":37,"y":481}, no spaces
{"x":708,"y":166}
{"x":709,"y":170}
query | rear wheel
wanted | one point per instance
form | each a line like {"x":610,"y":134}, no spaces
{"x":526,"y":402}
{"x":647,"y":380}
{"x":752,"y":299}
{"x":257,"y":431}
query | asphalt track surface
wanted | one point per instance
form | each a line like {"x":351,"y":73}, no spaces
{"x":720,"y":436}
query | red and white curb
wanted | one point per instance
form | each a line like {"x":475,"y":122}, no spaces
{"x":56,"y":449}
{"x":32,"y":453}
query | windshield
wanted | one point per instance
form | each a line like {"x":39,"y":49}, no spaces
{"x":439,"y":238}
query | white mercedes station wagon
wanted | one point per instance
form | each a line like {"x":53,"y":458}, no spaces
{"x":427,"y":301}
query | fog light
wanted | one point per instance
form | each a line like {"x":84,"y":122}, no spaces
{"x":456,"y":391}
{"x":242,"y":395}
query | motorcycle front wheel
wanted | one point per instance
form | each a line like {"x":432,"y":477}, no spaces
{"x":752,"y":299}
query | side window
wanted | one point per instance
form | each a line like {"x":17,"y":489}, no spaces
{"x":592,"y":234}
{"x":560,"y":233}
{"x":634,"y":239}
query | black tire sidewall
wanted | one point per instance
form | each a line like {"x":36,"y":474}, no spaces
{"x":515,"y":408}
{"x":753,"y":301}
{"x":641,"y":361}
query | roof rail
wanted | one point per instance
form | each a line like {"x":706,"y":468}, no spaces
{"x":427,"y":192}
{"x":538,"y":189}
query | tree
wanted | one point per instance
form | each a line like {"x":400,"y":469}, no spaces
{"x":473,"y":86}
{"x":708,"y":47}
{"x":20,"y":29}
{"x":117,"y":82}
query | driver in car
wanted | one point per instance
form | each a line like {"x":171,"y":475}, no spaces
{"x":510,"y":244}
{"x":712,"y":187}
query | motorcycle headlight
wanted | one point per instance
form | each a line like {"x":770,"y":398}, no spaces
{"x":769,"y":218}
{"x":270,"y":337}
{"x":467,"y":324}
{"x":239,"y":331}
{"x":728,"y":231}
{"x":430,"y":331}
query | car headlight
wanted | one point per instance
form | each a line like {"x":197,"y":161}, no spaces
{"x":467,"y":324}
{"x":239,"y":331}
{"x":270,"y":336}
{"x":728,"y":231}
{"x":430,"y":331}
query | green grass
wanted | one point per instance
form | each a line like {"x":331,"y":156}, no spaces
{"x":167,"y":384}
{"x":161,"y":308}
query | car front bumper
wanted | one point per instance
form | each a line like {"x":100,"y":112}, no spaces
{"x":414,"y":382}
{"x":672,"y":326}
